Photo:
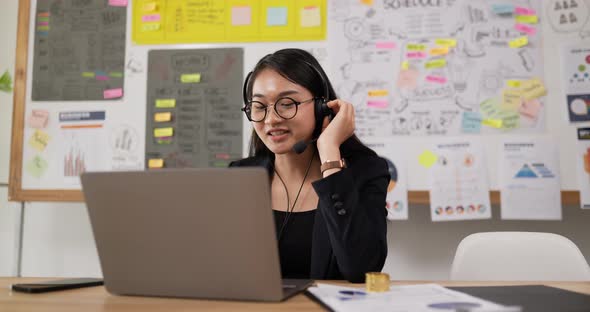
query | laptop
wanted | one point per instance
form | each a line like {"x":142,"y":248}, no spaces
{"x":192,"y":233}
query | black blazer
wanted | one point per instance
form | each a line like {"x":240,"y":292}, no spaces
{"x":350,"y":229}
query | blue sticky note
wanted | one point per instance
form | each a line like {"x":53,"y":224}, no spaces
{"x":471,"y":122}
{"x":276,"y":16}
{"x":503,"y":9}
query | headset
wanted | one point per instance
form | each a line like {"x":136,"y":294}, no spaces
{"x":321,"y":109}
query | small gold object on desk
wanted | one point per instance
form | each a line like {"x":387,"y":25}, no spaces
{"x":377,"y":281}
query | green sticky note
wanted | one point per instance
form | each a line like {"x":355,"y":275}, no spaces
{"x":6,"y":82}
{"x":88,"y":74}
{"x":190,"y":78}
{"x":427,"y":159}
{"x":490,"y":108}
{"x":36,"y":166}
{"x":116,"y":74}
{"x":510,"y":119}
{"x":165,"y":103}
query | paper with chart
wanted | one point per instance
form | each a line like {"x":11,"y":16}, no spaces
{"x":583,"y":160}
{"x":415,"y":298}
{"x":397,"y":191}
{"x":459,"y":187}
{"x":530,"y":187}
{"x":439,"y":67}
{"x":575,"y":66}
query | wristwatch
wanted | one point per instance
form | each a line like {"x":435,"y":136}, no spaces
{"x":331,"y":164}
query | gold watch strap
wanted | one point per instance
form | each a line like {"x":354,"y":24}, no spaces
{"x":331,"y":164}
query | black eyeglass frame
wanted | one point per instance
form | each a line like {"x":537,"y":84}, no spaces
{"x":247,"y":109}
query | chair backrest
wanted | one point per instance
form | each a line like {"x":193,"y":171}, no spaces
{"x":519,"y":256}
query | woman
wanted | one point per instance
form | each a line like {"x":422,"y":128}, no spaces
{"x":329,"y":198}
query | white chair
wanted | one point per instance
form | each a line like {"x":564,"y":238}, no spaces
{"x":518,"y":256}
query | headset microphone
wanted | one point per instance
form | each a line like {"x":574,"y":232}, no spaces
{"x":300,"y":146}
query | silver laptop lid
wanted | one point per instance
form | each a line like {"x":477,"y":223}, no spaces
{"x":203,"y":233}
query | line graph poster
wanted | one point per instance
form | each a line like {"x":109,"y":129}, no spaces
{"x":439,"y":67}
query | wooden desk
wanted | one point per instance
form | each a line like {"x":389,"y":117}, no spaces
{"x":97,"y":299}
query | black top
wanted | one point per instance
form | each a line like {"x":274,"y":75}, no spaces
{"x":349,"y":236}
{"x":295,"y":243}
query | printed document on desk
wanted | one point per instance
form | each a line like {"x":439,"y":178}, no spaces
{"x":418,"y":298}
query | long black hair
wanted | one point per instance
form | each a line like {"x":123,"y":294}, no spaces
{"x":295,"y":66}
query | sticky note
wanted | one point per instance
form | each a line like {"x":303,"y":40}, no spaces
{"x":163,"y":132}
{"x":527,"y":19}
{"x":494,"y":123}
{"x":490,"y":107}
{"x":156,"y":163}
{"x":385,"y":45}
{"x":44,"y":14}
{"x":438,"y":63}
{"x":150,"y":6}
{"x":151,"y":18}
{"x":408,"y":79}
{"x":310,"y":16}
{"x":530,"y":108}
{"x":241,"y":15}
{"x":163,"y":117}
{"x":510,"y":119}
{"x":377,"y":104}
{"x":165,"y":103}
{"x":439,"y":51}
{"x":276,"y":16}
{"x":436,"y":79}
{"x":367,"y":2}
{"x":502,"y":9}
{"x":471,"y":122}
{"x":513,"y":83}
{"x":416,"y":55}
{"x":42,"y":28}
{"x":511,"y":99}
{"x":113,"y":93}
{"x":427,"y":159}
{"x":36,"y":166}
{"x":532,"y":89}
{"x":150,"y":27}
{"x":38,"y":118}
{"x":190,"y":78}
{"x":39,"y":140}
{"x":446,"y":42}
{"x":378,"y":92}
{"x":88,"y":74}
{"x":120,"y":3}
{"x":44,"y":23}
{"x":524,"y":28}
{"x":519,"y":42}
{"x":116,"y":74}
{"x":102,"y":78}
{"x":415,"y":47}
{"x":524,"y":11}
{"x":164,"y":140}
{"x":405,"y":65}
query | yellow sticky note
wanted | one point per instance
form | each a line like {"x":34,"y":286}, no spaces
{"x":163,"y":132}
{"x":405,"y":65}
{"x":511,"y":99}
{"x":310,"y":17}
{"x":532,"y":89}
{"x":378,"y":92}
{"x":149,"y":7}
{"x":527,"y":19}
{"x":162,"y":117}
{"x":513,"y":83}
{"x":446,"y":42}
{"x":156,"y":163}
{"x":88,"y":74}
{"x":415,"y":47}
{"x":519,"y":42}
{"x":165,"y":103}
{"x":427,"y":159}
{"x":438,"y":63}
{"x":190,"y":78}
{"x":439,"y":51}
{"x":495,"y":123}
{"x":39,"y":140}
{"x":150,"y":27}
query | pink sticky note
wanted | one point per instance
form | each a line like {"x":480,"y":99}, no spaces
{"x":151,"y":18}
{"x":385,"y":45}
{"x":524,"y":11}
{"x":42,"y":23}
{"x":241,"y":15}
{"x":102,"y":78}
{"x":530,"y":30}
{"x":408,"y":79}
{"x":120,"y":3}
{"x":113,"y":93}
{"x":416,"y":55}
{"x":436,"y":79}
{"x":378,"y":104}
{"x":530,"y":108}
{"x":38,"y":119}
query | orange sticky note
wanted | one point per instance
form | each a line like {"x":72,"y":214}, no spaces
{"x":163,"y":117}
{"x":310,"y":17}
{"x":156,"y":163}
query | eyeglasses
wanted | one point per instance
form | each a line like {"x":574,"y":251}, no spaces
{"x":285,"y":108}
